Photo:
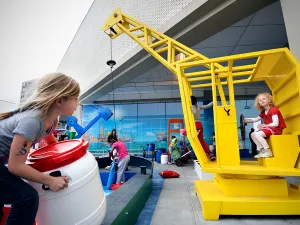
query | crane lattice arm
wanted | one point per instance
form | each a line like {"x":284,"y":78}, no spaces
{"x":276,"y":67}
{"x":157,"y":44}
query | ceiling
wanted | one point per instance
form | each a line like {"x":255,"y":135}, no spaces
{"x":262,"y":30}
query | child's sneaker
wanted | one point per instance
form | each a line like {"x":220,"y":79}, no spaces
{"x":258,"y":155}
{"x":266,"y":154}
{"x":211,"y":156}
{"x":259,"y":152}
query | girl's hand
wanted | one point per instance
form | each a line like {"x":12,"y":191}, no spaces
{"x":58,"y":183}
{"x":50,"y":139}
{"x":260,"y":126}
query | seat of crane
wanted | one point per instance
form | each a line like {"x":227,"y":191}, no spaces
{"x":284,"y":163}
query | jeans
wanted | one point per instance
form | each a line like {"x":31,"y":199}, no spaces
{"x":24,"y":199}
{"x":122,"y":165}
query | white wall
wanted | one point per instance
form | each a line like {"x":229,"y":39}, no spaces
{"x":89,"y":51}
{"x":35,"y":35}
{"x":291,"y":15}
{"x":7,"y":106}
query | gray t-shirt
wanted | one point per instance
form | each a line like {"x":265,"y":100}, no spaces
{"x":28,"y":124}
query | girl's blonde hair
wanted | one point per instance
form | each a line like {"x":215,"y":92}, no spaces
{"x":48,"y":89}
{"x":269,"y":97}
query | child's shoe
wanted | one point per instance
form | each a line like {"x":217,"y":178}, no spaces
{"x":115,"y":186}
{"x":266,"y":154}
{"x":258,"y":155}
{"x":259,"y":151}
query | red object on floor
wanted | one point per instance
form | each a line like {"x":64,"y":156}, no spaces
{"x":6,"y":211}
{"x":169,"y":174}
{"x":115,"y":186}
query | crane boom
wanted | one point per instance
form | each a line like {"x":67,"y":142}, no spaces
{"x":196,"y":71}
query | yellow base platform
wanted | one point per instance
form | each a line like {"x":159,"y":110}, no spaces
{"x":215,"y":203}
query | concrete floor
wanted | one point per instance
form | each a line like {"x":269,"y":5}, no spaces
{"x":178,"y":204}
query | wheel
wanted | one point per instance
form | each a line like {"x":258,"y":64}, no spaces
{"x":243,"y":127}
{"x":178,"y":162}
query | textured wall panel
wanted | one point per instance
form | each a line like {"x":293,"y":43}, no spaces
{"x":86,"y":57}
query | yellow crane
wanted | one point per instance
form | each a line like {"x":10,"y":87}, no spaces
{"x":239,"y":187}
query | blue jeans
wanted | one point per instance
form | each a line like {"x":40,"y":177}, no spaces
{"x":24,"y":199}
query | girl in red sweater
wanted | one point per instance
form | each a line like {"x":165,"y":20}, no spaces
{"x":273,"y":124}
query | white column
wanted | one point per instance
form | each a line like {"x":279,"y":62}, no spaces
{"x":291,"y":15}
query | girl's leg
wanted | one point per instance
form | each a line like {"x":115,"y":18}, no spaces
{"x":260,"y":137}
{"x":123,"y":178}
{"x":199,"y":128}
{"x":266,"y":152}
{"x":203,"y":143}
{"x":24,"y":199}
{"x":122,"y":167}
{"x":127,"y":161}
{"x":170,"y":157}
{"x":258,"y":145}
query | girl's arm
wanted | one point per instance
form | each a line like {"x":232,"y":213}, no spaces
{"x":112,"y":150}
{"x":194,"y":109}
{"x":206,"y":106}
{"x":275,"y":122}
{"x":50,"y":139}
{"x":111,"y":153}
{"x":252,"y":120}
{"x":16,"y":165}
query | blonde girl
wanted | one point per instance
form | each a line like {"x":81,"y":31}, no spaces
{"x":273,"y":124}
{"x":56,"y":94}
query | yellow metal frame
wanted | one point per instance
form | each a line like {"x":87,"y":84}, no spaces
{"x":280,"y":70}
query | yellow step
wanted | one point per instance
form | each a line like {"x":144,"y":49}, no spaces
{"x":250,"y":168}
{"x":215,"y":203}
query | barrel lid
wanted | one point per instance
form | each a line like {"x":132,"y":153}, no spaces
{"x":57,"y":155}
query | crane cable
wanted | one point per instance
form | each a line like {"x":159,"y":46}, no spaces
{"x":111,"y":64}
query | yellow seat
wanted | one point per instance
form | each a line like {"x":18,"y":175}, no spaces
{"x":285,"y":149}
